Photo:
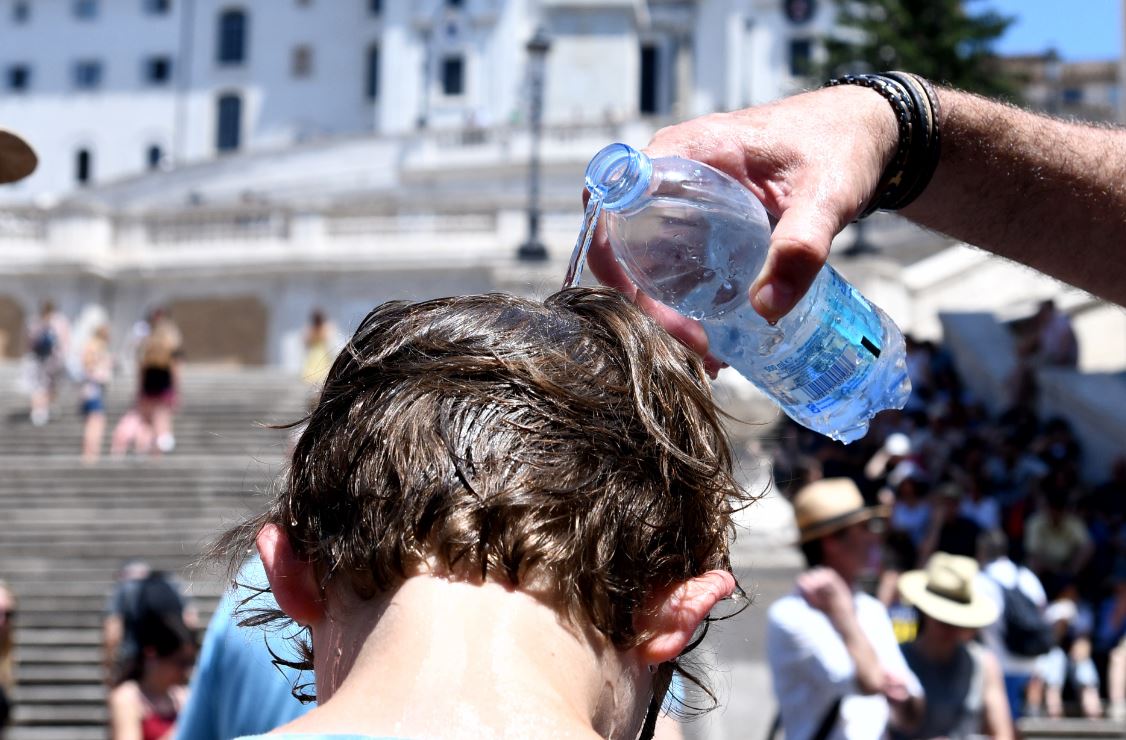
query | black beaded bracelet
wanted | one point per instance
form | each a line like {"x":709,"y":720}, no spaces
{"x":915,"y":105}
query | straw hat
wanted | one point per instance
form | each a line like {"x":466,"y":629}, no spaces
{"x":945,"y":592}
{"x":830,"y":505}
{"x":17,"y":158}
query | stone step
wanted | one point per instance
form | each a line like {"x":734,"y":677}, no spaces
{"x":1070,"y":728}
{"x":60,"y":675}
{"x":96,"y":732}
{"x":68,"y":695}
{"x":55,"y":715}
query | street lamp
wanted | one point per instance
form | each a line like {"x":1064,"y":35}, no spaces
{"x":533,"y":249}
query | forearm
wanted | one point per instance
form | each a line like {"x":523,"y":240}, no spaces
{"x":870,"y":677}
{"x":1044,"y":192}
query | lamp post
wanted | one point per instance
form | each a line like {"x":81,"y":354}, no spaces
{"x":533,"y":249}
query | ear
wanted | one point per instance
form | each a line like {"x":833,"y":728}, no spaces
{"x":292,"y":579}
{"x":673,"y":618}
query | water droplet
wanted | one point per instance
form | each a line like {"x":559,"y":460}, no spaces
{"x":696,"y":314}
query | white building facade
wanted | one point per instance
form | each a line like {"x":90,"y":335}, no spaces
{"x":108,"y":89}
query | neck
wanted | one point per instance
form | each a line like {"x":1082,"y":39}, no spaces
{"x":939,"y":651}
{"x":451,"y":659}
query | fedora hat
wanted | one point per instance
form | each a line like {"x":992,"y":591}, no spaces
{"x":17,"y":158}
{"x":830,"y":505}
{"x":945,"y":591}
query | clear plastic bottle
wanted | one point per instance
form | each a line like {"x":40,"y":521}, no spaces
{"x":695,"y":239}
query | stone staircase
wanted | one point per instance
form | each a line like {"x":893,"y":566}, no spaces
{"x":67,"y":527}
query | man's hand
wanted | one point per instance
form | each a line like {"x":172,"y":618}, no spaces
{"x":813,"y":160}
{"x":826,"y":591}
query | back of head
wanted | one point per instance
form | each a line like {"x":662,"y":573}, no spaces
{"x":569,"y":445}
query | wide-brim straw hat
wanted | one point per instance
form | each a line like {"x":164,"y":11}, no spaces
{"x":830,"y":505}
{"x":17,"y":158}
{"x":946,"y":592}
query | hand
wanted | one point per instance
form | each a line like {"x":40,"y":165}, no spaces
{"x":895,"y":688}
{"x":826,"y":591}
{"x":813,"y":160}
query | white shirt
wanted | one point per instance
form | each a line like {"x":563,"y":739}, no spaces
{"x":811,"y":667}
{"x":1003,"y":572}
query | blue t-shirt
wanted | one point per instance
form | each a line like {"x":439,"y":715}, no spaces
{"x":236,"y":689}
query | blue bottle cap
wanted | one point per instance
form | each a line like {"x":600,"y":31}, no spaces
{"x":618,"y":174}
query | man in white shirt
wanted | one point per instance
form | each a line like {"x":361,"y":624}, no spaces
{"x":835,"y":663}
{"x":999,"y":573}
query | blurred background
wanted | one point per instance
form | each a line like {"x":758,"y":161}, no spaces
{"x":226,"y":187}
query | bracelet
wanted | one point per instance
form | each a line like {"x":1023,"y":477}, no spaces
{"x":915,"y":105}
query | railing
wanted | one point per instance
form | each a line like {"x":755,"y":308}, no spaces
{"x":24,"y":225}
{"x":363,"y":225}
{"x":214,"y":226}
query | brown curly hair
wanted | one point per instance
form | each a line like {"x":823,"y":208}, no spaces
{"x":571,"y":440}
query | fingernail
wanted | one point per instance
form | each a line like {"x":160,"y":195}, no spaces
{"x":775,"y":298}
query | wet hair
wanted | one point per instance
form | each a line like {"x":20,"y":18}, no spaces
{"x":570,"y":445}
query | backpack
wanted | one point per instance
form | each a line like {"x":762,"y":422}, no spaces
{"x":43,"y":343}
{"x":1026,"y":632}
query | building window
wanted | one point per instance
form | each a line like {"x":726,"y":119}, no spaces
{"x":302,"y":63}
{"x":232,"y":37}
{"x":88,"y":74}
{"x":86,"y":9}
{"x":158,"y":7}
{"x":1072,"y":95}
{"x":228,"y":127}
{"x":158,"y":70}
{"x":375,"y":6}
{"x":801,"y":57}
{"x":455,"y":3}
{"x":453,"y":76}
{"x":21,"y":12}
{"x":83,"y":166}
{"x":371,"y":81}
{"x":647,"y":103}
{"x":19,"y":77}
{"x":154,"y":156}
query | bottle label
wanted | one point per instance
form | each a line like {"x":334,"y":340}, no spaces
{"x":837,"y":356}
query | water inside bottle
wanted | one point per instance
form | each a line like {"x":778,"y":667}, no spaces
{"x":582,"y":246}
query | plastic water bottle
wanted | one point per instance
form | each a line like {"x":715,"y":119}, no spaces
{"x":695,"y":239}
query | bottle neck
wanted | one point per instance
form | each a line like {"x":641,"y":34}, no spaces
{"x":618,"y":175}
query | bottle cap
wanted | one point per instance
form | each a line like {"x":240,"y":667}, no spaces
{"x":618,"y":174}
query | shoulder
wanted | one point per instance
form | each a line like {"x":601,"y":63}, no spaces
{"x":787,"y":610}
{"x":125,"y":699}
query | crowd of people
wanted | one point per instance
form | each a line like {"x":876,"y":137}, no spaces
{"x":1005,"y":494}
{"x":155,"y":348}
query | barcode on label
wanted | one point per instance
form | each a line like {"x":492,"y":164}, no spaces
{"x":831,"y":379}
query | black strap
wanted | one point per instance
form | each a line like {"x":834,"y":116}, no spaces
{"x":828,"y":722}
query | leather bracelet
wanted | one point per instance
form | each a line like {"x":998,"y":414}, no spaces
{"x":929,"y":146}
{"x":915,"y":105}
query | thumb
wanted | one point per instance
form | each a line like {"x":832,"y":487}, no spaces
{"x":799,"y":247}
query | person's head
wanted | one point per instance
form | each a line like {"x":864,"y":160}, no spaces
{"x":17,"y":158}
{"x":133,"y":569}
{"x":7,"y":615}
{"x":101,"y":332}
{"x":317,"y":318}
{"x":46,"y":308}
{"x":167,"y":649}
{"x":948,"y":496}
{"x":992,"y":545}
{"x":568,"y":448}
{"x":1057,"y":503}
{"x":8,"y":606}
{"x":945,"y":593}
{"x":836,"y":528}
